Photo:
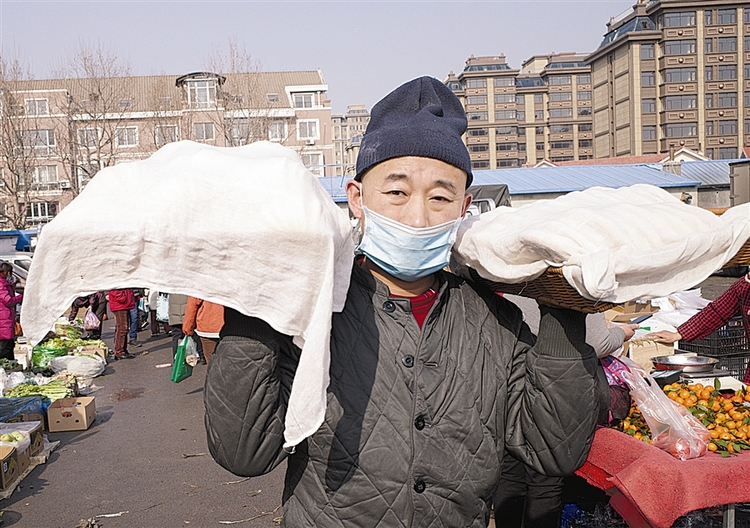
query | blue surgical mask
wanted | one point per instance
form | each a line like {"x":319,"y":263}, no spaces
{"x":407,"y":253}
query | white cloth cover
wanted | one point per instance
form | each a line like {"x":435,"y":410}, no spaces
{"x":613,"y":245}
{"x":247,"y":227}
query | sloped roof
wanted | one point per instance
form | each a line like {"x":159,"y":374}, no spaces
{"x":712,"y":172}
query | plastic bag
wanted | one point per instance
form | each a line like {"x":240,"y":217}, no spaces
{"x":191,"y":352}
{"x":162,"y":308}
{"x":673,"y":428}
{"x":180,"y":369}
{"x":91,"y":321}
{"x":84,"y":366}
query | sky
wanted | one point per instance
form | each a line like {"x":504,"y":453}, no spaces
{"x":363,"y":48}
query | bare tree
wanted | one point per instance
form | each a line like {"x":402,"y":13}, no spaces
{"x":101,"y":95}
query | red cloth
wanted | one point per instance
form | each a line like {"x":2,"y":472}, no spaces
{"x":734,"y":301}
{"x":660,"y":486}
{"x":121,"y":299}
{"x":421,"y":304}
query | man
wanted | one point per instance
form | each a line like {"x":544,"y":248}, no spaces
{"x":120,"y":303}
{"x":431,"y":377}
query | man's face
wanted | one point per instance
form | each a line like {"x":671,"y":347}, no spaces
{"x":418,"y":192}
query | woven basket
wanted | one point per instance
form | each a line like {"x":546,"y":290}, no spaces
{"x":742,"y":258}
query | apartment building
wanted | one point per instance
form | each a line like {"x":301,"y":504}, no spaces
{"x":56,"y":134}
{"x":672,"y":74}
{"x":348,"y":130}
{"x":519,"y":117}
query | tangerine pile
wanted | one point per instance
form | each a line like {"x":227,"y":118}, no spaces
{"x":727,"y":417}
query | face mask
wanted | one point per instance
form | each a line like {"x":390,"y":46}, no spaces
{"x":407,"y":253}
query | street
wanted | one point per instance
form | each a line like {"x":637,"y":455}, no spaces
{"x":146,"y":459}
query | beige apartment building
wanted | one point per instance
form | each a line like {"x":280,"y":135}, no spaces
{"x":672,"y":74}
{"x":348,"y":130}
{"x":519,"y":117}
{"x":56,"y":134}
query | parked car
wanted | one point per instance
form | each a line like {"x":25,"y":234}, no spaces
{"x":21,"y":263}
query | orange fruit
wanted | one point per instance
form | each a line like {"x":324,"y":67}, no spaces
{"x":712,"y":446}
{"x":714,"y":433}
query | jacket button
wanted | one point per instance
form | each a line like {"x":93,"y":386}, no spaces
{"x":408,"y":360}
{"x":419,"y":486}
{"x":389,"y":306}
{"x":419,"y":423}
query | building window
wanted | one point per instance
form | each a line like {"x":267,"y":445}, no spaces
{"x":708,"y":17}
{"x":201,"y":94}
{"x":478,"y":132}
{"x":476,"y":83}
{"x":709,"y":100}
{"x":560,"y":96}
{"x":679,"y":47}
{"x":585,"y":143}
{"x":558,"y":159}
{"x":539,"y":131}
{"x":40,"y":211}
{"x":479,"y":147}
{"x":680,"y":102}
{"x":272,"y":97}
{"x":503,"y":81}
{"x":747,"y":99}
{"x":559,"y":80}
{"x":584,"y":78}
{"x":454,"y":86}
{"x":125,"y":103}
{"x":507,"y":163}
{"x":302,"y":100}
{"x":726,"y":16}
{"x":727,"y":127}
{"x":727,"y":153}
{"x":561,"y":112}
{"x":313,"y":162}
{"x":44,"y":174}
{"x":476,"y":99}
{"x":708,"y":73}
{"x":648,"y":106}
{"x":507,"y":146}
{"x":203,"y":131}
{"x":585,"y":127}
{"x":584,"y":110}
{"x":560,"y":129}
{"x":540,"y":146}
{"x":476,"y":116}
{"x":505,"y":114}
{"x":747,"y":126}
{"x":505,"y":98}
{"x":584,"y":96}
{"x":746,"y":42}
{"x":277,"y":131}
{"x":727,"y":99}
{"x":538,"y":98}
{"x":709,"y":128}
{"x":480,"y":164}
{"x":561,"y":144}
{"x":36,"y":107}
{"x":648,"y":78}
{"x":686,"y":18}
{"x":726,"y":44}
{"x":521,"y":115}
{"x":520,"y":99}
{"x":538,"y":115}
{"x":681,"y":129}
{"x":307,"y":129}
{"x":41,"y":141}
{"x":727,"y":71}
{"x":648,"y":133}
{"x":506,"y":131}
{"x":679,"y":75}
{"x":746,"y":15}
{"x":88,"y":137}
{"x":239,"y":133}
{"x":164,"y":134}
{"x":708,"y":45}
{"x":126,"y":137}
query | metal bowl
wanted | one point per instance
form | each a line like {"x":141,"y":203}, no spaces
{"x":685,"y":363}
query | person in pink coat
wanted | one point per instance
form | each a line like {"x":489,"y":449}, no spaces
{"x":8,"y":302}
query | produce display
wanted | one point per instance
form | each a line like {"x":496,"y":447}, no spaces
{"x":54,"y":390}
{"x":9,"y":364}
{"x":13,"y":436}
{"x":727,"y":417}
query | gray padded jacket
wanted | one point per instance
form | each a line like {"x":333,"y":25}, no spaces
{"x":417,"y":420}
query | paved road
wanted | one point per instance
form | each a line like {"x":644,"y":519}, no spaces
{"x":132,"y":458}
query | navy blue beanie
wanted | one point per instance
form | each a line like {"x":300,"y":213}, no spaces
{"x":420,"y":118}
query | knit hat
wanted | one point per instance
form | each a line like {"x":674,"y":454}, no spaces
{"x":420,"y":118}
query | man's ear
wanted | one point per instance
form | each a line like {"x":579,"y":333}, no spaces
{"x":467,"y":203}
{"x":354,"y":197}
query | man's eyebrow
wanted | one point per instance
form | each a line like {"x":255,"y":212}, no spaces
{"x":396,"y":176}
{"x":400,"y":176}
{"x":445,"y":184}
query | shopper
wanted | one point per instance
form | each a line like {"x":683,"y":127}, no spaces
{"x":733,"y":302}
{"x":8,"y":302}
{"x":431,"y":378}
{"x":205,"y":319}
{"x":120,"y":303}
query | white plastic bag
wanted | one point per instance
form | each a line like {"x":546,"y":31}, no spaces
{"x":673,"y":428}
{"x":84,"y":366}
{"x":91,"y":321}
{"x":162,"y":308}
{"x":191,"y":351}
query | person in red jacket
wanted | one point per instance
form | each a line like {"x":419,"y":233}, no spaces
{"x":8,"y":302}
{"x":734,"y":301}
{"x":120,"y":302}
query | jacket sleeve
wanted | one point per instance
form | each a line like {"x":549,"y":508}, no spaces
{"x":6,"y":298}
{"x":246,"y":394}
{"x":553,"y":399}
{"x":715,"y":314}
{"x":603,"y":339}
{"x":191,"y":315}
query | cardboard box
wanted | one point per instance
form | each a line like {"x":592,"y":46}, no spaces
{"x":642,"y":353}
{"x":9,"y":471}
{"x":94,"y":350}
{"x":71,"y":414}
{"x":24,"y":461}
{"x":32,"y":429}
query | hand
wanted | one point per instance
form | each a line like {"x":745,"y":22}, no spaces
{"x":629,"y":330}
{"x":664,"y":336}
